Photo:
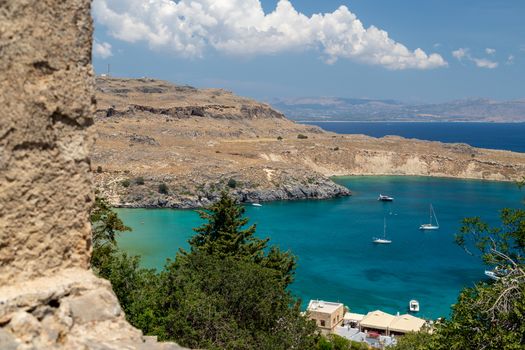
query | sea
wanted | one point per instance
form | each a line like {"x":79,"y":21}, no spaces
{"x":506,"y":136}
{"x":332,"y":240}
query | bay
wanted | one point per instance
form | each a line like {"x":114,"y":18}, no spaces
{"x":332,"y":239}
{"x":505,"y":136}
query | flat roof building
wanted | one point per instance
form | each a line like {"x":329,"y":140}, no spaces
{"x":327,"y":315}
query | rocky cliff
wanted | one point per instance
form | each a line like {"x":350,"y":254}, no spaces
{"x":48,"y":297}
{"x":164,"y":145}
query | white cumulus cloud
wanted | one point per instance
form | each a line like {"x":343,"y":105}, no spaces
{"x":484,"y":63}
{"x":240,"y":27}
{"x":102,"y":49}
{"x":510,"y":59}
{"x":464,"y":53}
{"x":490,"y":51}
{"x":460,"y":53}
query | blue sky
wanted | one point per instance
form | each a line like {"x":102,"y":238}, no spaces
{"x":469,"y":48}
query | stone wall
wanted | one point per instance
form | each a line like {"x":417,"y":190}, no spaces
{"x":46,"y":99}
{"x":49,"y":299}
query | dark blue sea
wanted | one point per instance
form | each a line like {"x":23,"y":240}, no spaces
{"x":505,"y":136}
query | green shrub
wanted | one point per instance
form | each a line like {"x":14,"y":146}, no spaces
{"x":125,"y":183}
{"x":163,"y":188}
{"x":232,"y":183}
{"x":99,"y":169}
{"x":302,"y":137}
{"x":279,"y":138}
{"x":139,"y":180}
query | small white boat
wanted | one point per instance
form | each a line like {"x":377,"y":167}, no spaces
{"x":413,"y":305}
{"x":382,"y":240}
{"x":430,"y":225}
{"x":497,"y":273}
{"x":257,"y":204}
{"x":491,"y":275}
{"x":384,"y":198}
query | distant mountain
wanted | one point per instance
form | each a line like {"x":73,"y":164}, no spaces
{"x":354,"y":109}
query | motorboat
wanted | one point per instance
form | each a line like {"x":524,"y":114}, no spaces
{"x":492,"y":275}
{"x":413,"y":305}
{"x":385,"y":198}
{"x":497,"y":273}
{"x":257,"y":204}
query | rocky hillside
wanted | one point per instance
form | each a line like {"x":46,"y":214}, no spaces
{"x":162,"y":145}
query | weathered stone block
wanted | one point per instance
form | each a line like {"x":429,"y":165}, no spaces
{"x":46,"y":94}
{"x":95,"y":305}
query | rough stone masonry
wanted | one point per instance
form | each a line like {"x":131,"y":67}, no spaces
{"x":48,"y":297}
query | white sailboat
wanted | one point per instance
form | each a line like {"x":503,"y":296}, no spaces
{"x":430,"y":225}
{"x":382,"y":240}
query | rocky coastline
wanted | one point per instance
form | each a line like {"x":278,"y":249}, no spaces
{"x":160,"y":145}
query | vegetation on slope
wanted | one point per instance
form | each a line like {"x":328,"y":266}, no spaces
{"x":227,"y":292}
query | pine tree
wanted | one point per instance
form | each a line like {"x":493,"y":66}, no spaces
{"x":224,"y":234}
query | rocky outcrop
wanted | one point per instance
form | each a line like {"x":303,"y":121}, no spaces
{"x":208,"y":111}
{"x":166,"y":100}
{"x":48,"y":297}
{"x":147,"y":195}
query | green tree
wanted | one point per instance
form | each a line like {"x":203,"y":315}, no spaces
{"x":498,"y":246}
{"x":226,"y":234}
{"x":422,"y":340}
{"x":135,"y":287}
{"x":163,"y":188}
{"x":218,"y":302}
{"x":336,"y":342}
{"x":105,"y":224}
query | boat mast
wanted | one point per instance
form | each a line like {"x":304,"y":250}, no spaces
{"x":435,"y":216}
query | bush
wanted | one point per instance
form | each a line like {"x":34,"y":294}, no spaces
{"x":232,"y":183}
{"x":99,"y":169}
{"x":302,"y":137}
{"x":139,"y":180}
{"x":163,"y":188}
{"x":125,"y":183}
{"x":336,"y":149}
{"x":279,"y":138}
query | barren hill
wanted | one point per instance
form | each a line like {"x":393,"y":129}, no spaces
{"x":164,"y":145}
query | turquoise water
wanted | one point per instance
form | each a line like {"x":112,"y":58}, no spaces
{"x":332,"y":239}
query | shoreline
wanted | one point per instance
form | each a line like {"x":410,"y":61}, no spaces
{"x":216,"y":140}
{"x":193,"y":205}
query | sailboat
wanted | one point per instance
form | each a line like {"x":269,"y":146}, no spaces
{"x":430,"y":226}
{"x":382,"y":240}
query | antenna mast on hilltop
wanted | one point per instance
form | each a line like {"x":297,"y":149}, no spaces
{"x":109,"y":66}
